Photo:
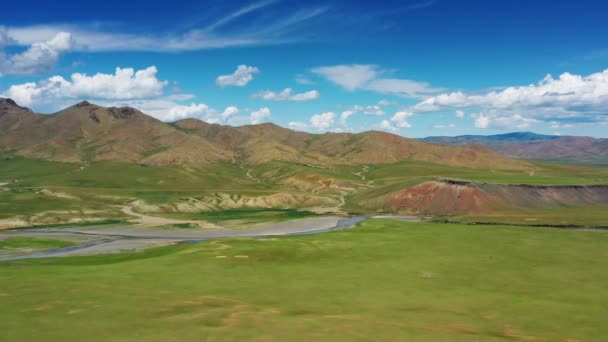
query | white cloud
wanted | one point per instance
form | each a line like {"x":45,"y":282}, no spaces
{"x":510,"y":121}
{"x":229,"y":112}
{"x":556,"y":125}
{"x":567,"y":98}
{"x":181,"y":97}
{"x":350,"y":77}
{"x":345,"y":115}
{"x":406,"y":88}
{"x":450,"y":125}
{"x":384,"y":103}
{"x":39,"y":58}
{"x":239,"y":78}
{"x":459,"y":114}
{"x":124,"y":84}
{"x":260,"y":115}
{"x":373,"y":110}
{"x":387,"y":126}
{"x":286,"y":95}
{"x":322,"y":121}
{"x":4,"y":39}
{"x":182,"y":112}
{"x":482,"y":121}
{"x":103,"y":36}
{"x":365,"y":77}
{"x":513,"y":120}
{"x":301,"y":79}
{"x":298,"y":126}
{"x":400,"y":119}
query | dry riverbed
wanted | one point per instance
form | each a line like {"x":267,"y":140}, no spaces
{"x":119,"y":238}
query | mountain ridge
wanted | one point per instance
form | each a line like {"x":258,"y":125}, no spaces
{"x":86,"y":131}
{"x":528,"y":145}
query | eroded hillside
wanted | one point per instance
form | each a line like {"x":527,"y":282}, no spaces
{"x":87,"y":132}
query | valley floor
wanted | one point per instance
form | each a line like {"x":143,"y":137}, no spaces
{"x":91,"y":240}
{"x":382,"y":280}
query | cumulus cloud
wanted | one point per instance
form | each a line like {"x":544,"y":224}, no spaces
{"x":286,"y":95}
{"x":459,"y":114}
{"x":322,"y":121}
{"x":239,"y":78}
{"x":298,"y":126}
{"x":387,"y":126}
{"x":373,"y":110}
{"x":366,"y":77}
{"x":571,"y":98}
{"x":481,"y":121}
{"x":181,"y":112}
{"x":167,"y":109}
{"x":229,"y":112}
{"x":39,"y":58}
{"x":260,"y":115}
{"x":345,"y":115}
{"x":123,"y":84}
{"x":400,"y":119}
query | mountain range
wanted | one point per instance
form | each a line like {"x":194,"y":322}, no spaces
{"x":88,"y":132}
{"x":530,"y":145}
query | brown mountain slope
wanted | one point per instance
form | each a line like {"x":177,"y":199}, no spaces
{"x":265,"y":142}
{"x":561,"y":147}
{"x":14,"y":117}
{"x":456,"y":197}
{"x":534,"y":146}
{"x":258,"y":143}
{"x":380,"y":148}
{"x":86,"y":131}
{"x":89,"y":132}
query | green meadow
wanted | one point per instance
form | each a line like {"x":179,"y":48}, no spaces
{"x":575,"y":216}
{"x":383,"y":280}
{"x":33,"y":243}
{"x":99,"y":189}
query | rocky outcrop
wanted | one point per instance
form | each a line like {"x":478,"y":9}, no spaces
{"x":461,"y":197}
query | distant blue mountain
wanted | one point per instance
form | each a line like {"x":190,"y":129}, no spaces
{"x":467,"y":139}
{"x":528,"y":145}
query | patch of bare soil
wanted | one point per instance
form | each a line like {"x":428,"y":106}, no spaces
{"x":57,"y":194}
{"x":12,"y":223}
{"x":147,"y":220}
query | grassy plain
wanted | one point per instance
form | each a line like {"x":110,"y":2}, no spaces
{"x":577,"y":216}
{"x":33,"y":243}
{"x":99,"y":189}
{"x":383,"y":280}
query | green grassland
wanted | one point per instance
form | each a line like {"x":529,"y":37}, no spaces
{"x":20,"y":202}
{"x":104,"y":187}
{"x":578,"y":216}
{"x":545,"y":174}
{"x":33,"y":243}
{"x":383,"y":280}
{"x":591,"y":161}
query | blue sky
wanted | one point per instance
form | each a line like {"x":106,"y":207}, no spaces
{"x":415,"y":68}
